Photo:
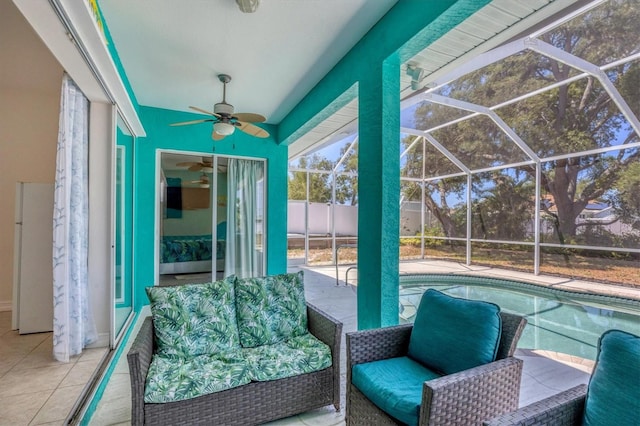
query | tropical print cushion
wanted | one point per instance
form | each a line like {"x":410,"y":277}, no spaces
{"x":270,"y":309}
{"x":185,"y":248}
{"x":176,"y":379}
{"x":194,"y":319}
{"x":298,"y":355}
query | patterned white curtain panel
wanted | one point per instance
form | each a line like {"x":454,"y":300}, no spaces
{"x":73,"y":325}
{"x":241,"y":258}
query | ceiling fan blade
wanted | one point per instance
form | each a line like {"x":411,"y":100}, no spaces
{"x":186,"y":123}
{"x":217,"y":136}
{"x":195,"y":168}
{"x":253,"y":130}
{"x":204,"y":111}
{"x":186,"y":163}
{"x":249,"y":117}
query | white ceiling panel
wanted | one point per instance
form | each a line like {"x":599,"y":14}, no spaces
{"x":173,"y":50}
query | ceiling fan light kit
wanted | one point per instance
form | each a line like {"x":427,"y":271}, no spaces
{"x":225,"y":121}
{"x":223,"y":129}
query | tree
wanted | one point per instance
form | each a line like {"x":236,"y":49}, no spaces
{"x":347,"y":176}
{"x":438,"y":192}
{"x":626,"y":200}
{"x":319,"y":186}
{"x":571,"y":118}
{"x":504,"y":210}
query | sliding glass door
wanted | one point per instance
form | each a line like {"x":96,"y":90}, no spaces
{"x":123,"y":229}
{"x":210,"y":217}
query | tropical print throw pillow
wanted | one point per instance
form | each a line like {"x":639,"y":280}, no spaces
{"x":270,"y":309}
{"x":194,"y":319}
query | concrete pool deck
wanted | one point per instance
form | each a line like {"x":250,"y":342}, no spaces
{"x":563,"y":283}
{"x":545,"y":372}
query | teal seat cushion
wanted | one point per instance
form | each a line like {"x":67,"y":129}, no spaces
{"x":297,"y":355}
{"x":613,"y":396}
{"x":451,"y":334}
{"x":176,"y":379}
{"x":194,"y":319}
{"x":394,"y":385}
{"x":270,"y":309}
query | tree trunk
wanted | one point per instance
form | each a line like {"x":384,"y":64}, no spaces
{"x":442,"y":217}
{"x":563,"y":188}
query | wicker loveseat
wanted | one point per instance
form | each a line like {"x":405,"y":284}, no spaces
{"x":266,"y":397}
{"x":466,"y":397}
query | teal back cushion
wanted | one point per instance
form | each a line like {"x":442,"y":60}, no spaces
{"x":194,"y":319}
{"x":450,"y":334}
{"x":270,"y":309}
{"x":613,"y":397}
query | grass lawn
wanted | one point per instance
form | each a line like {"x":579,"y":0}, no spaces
{"x":623,"y":271}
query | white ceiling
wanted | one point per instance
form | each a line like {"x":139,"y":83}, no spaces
{"x":173,"y":50}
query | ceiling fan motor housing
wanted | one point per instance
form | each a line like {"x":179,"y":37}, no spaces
{"x":223,"y":108}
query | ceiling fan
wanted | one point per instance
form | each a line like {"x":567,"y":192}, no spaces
{"x":203,"y":182}
{"x":205,"y":166}
{"x":225,"y":121}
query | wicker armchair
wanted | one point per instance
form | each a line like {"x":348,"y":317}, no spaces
{"x":464,"y":398}
{"x":612,"y":396}
{"x":565,"y":408}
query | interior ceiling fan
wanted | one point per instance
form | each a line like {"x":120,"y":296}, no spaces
{"x":205,"y":166}
{"x":225,"y":120}
{"x":203,"y":182}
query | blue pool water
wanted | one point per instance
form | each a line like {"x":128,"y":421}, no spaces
{"x":558,"y":320}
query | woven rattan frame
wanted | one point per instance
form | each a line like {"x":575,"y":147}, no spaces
{"x":465,"y":398}
{"x":251,"y":404}
{"x":563,"y":409}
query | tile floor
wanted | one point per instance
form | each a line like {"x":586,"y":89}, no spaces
{"x":545,"y":373}
{"x":34,"y":388}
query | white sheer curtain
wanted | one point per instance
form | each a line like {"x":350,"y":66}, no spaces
{"x":242,"y":258}
{"x":73,"y":325}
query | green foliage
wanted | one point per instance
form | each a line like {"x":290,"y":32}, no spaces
{"x":568,"y":119}
{"x":505,"y":209}
{"x":429,"y":231}
{"x":320,"y":183}
{"x":319,"y":186}
{"x":347,"y":184}
{"x":626,"y":200}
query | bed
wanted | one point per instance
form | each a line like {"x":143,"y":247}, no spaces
{"x":184,"y":254}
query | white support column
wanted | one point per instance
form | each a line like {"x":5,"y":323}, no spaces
{"x":536,"y":225}
{"x":469,"y":215}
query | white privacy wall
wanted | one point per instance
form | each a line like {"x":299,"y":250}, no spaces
{"x":320,"y":220}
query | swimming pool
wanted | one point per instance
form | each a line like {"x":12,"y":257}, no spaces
{"x":558,"y":320}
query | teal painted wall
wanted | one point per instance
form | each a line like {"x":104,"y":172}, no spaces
{"x":371,"y":69}
{"x":379,"y":195}
{"x":197,"y":138}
